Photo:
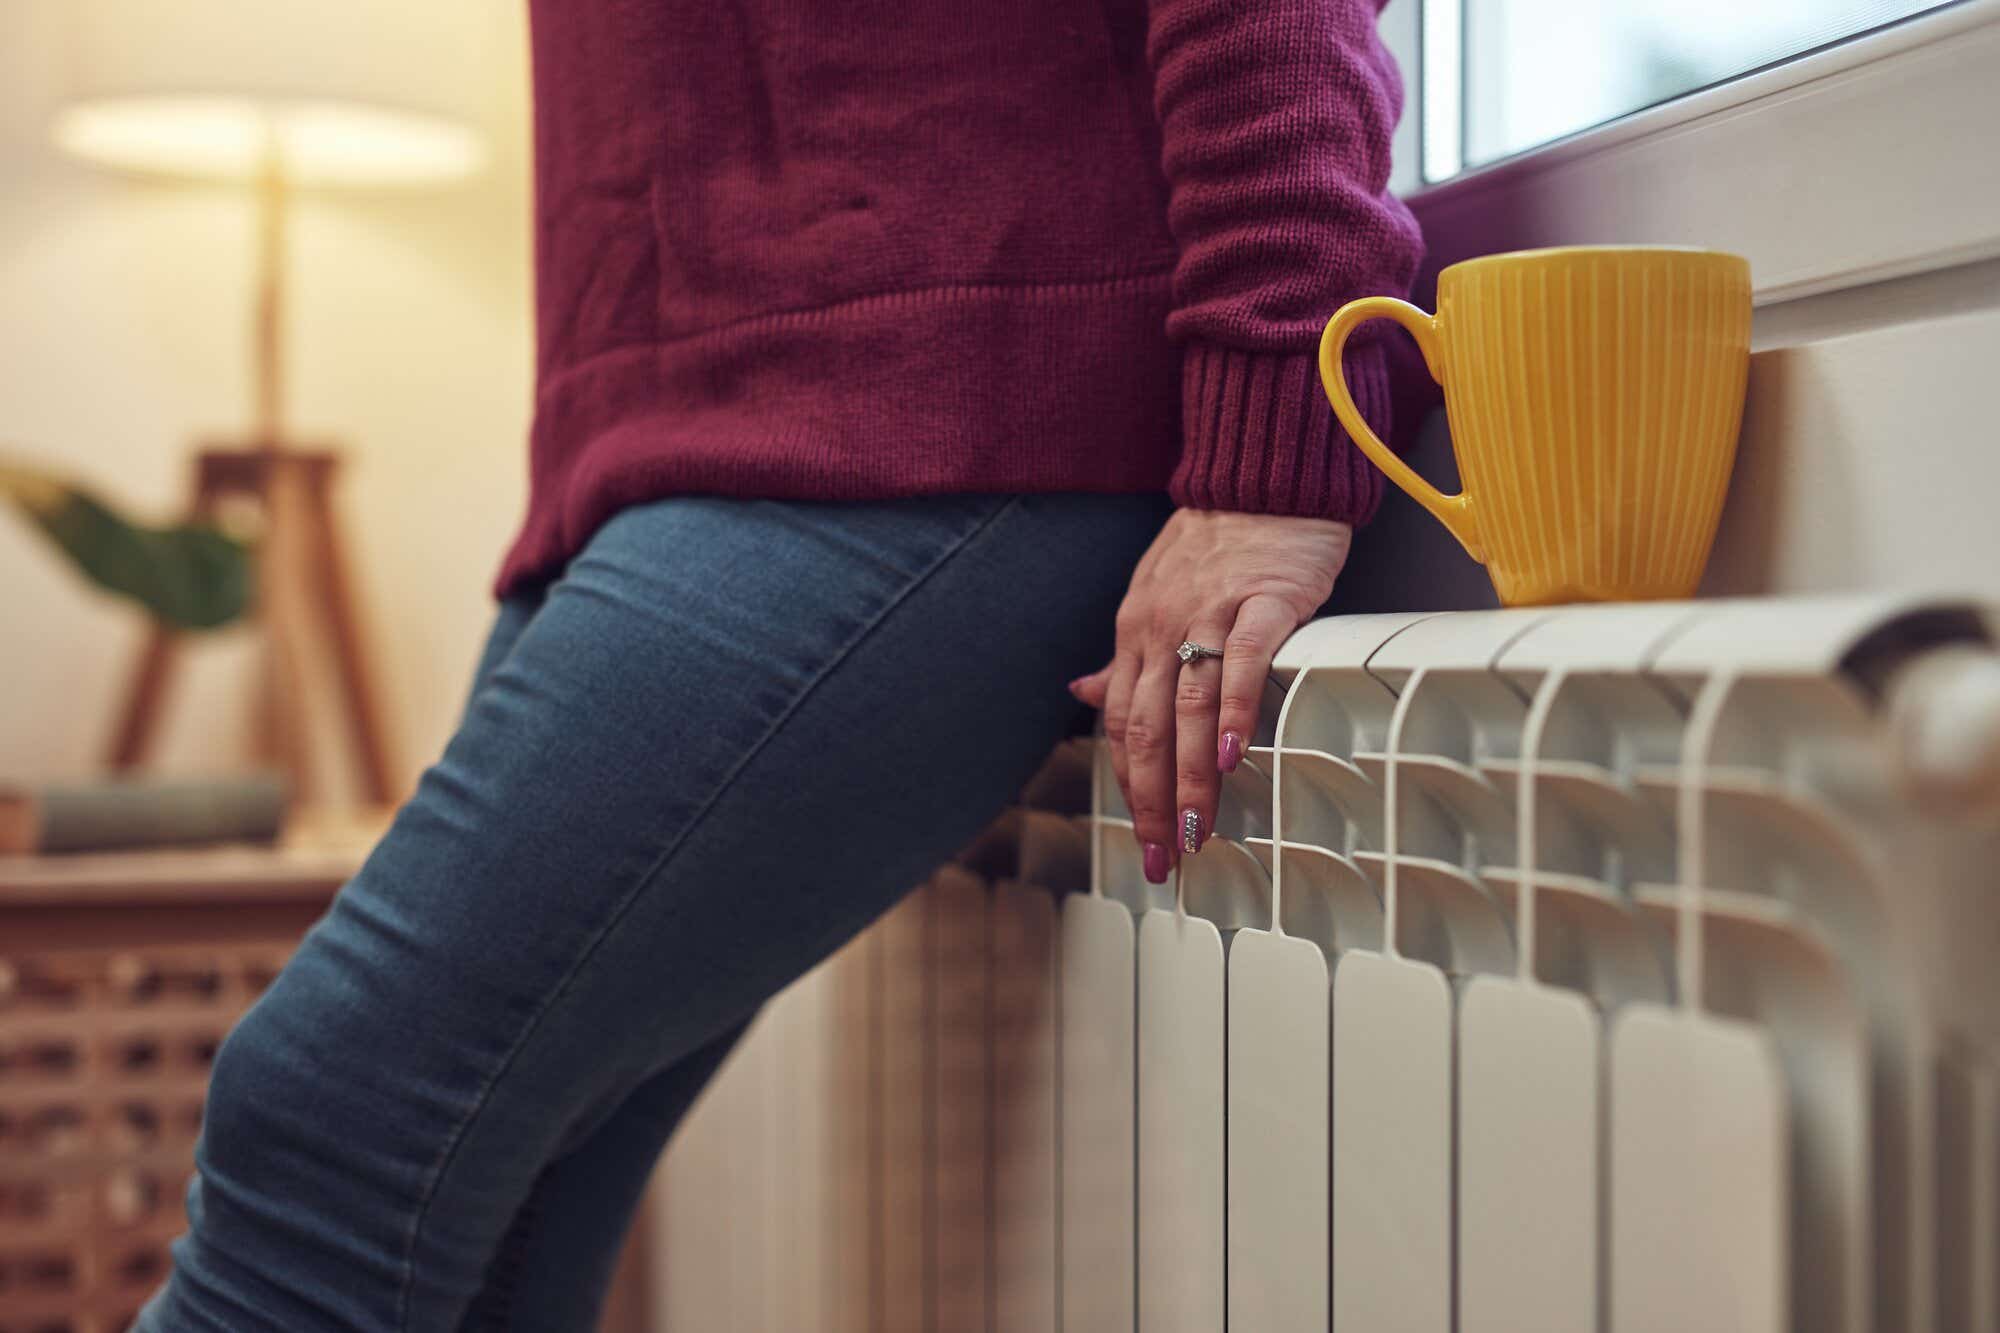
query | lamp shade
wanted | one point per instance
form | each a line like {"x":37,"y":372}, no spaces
{"x":332,"y":92}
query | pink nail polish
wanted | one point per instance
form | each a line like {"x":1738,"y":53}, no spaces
{"x":1156,"y":863}
{"x":1191,"y":830}
{"x":1078,"y":681}
{"x":1229,"y":753}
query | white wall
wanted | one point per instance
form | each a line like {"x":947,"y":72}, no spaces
{"x":1866,"y":460}
{"x":123,"y":340}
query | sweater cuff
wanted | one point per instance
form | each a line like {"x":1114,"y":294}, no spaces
{"x":1258,"y":435}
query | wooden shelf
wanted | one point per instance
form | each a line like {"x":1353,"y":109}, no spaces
{"x":309,"y":864}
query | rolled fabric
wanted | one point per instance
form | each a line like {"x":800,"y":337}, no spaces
{"x":124,"y":815}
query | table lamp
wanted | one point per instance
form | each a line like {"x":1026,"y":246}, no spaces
{"x":276,"y":98}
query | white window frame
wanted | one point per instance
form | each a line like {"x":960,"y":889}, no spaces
{"x":1871,"y":160}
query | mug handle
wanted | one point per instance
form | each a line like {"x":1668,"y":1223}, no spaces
{"x":1454,"y":511}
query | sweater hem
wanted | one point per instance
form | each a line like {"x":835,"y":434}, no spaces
{"x":953,"y":388}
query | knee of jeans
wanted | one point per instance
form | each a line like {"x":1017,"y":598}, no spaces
{"x":262,"y":1100}
{"x":240,"y":1081}
{"x":287,"y":1215}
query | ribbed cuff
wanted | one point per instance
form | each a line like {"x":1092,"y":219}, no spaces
{"x":1258,"y":435}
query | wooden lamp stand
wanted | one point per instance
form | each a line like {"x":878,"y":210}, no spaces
{"x":305,"y":593}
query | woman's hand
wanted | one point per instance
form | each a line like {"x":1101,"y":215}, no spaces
{"x":1238,"y":582}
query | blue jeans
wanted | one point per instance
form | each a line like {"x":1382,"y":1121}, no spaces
{"x":727,"y":738}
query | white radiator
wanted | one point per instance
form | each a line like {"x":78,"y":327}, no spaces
{"x":1628,"y":968}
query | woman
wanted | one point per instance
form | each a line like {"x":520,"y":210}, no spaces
{"x":870,"y":336}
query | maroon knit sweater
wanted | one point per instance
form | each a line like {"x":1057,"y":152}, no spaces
{"x":869,"y":248}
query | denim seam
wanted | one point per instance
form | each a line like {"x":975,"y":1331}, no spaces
{"x":505,"y":1271}
{"x":645,"y":881}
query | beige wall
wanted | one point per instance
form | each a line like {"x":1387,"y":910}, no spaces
{"x":123,"y":309}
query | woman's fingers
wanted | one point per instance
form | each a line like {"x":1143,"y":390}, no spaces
{"x":1117,"y":708}
{"x":1168,"y":752}
{"x":1262,"y":623}
{"x":1197,"y":693}
{"x":1149,"y":756}
{"x":1092,"y":688}
{"x":1174,"y":729}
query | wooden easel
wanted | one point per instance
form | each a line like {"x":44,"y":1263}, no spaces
{"x":305,"y":596}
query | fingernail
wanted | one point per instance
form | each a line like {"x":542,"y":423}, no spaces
{"x":1078,"y":681}
{"x":1156,"y":863}
{"x":1191,"y":833}
{"x":1229,"y":752}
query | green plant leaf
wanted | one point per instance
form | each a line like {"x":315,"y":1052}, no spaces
{"x":192,"y":576}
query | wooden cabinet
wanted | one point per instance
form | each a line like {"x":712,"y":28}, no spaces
{"x":119,"y":977}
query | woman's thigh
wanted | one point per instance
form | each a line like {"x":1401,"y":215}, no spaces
{"x":733,"y":733}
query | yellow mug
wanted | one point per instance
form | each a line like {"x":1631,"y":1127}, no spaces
{"x":1594,"y":395}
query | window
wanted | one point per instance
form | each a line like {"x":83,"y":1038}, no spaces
{"x":1498,"y":77}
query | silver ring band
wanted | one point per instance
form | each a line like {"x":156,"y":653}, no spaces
{"x":1189,"y":651}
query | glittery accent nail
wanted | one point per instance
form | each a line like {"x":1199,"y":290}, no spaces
{"x":1229,"y":753}
{"x":1190,"y":830}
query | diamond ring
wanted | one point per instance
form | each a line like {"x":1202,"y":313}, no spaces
{"x":1188,"y":652}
